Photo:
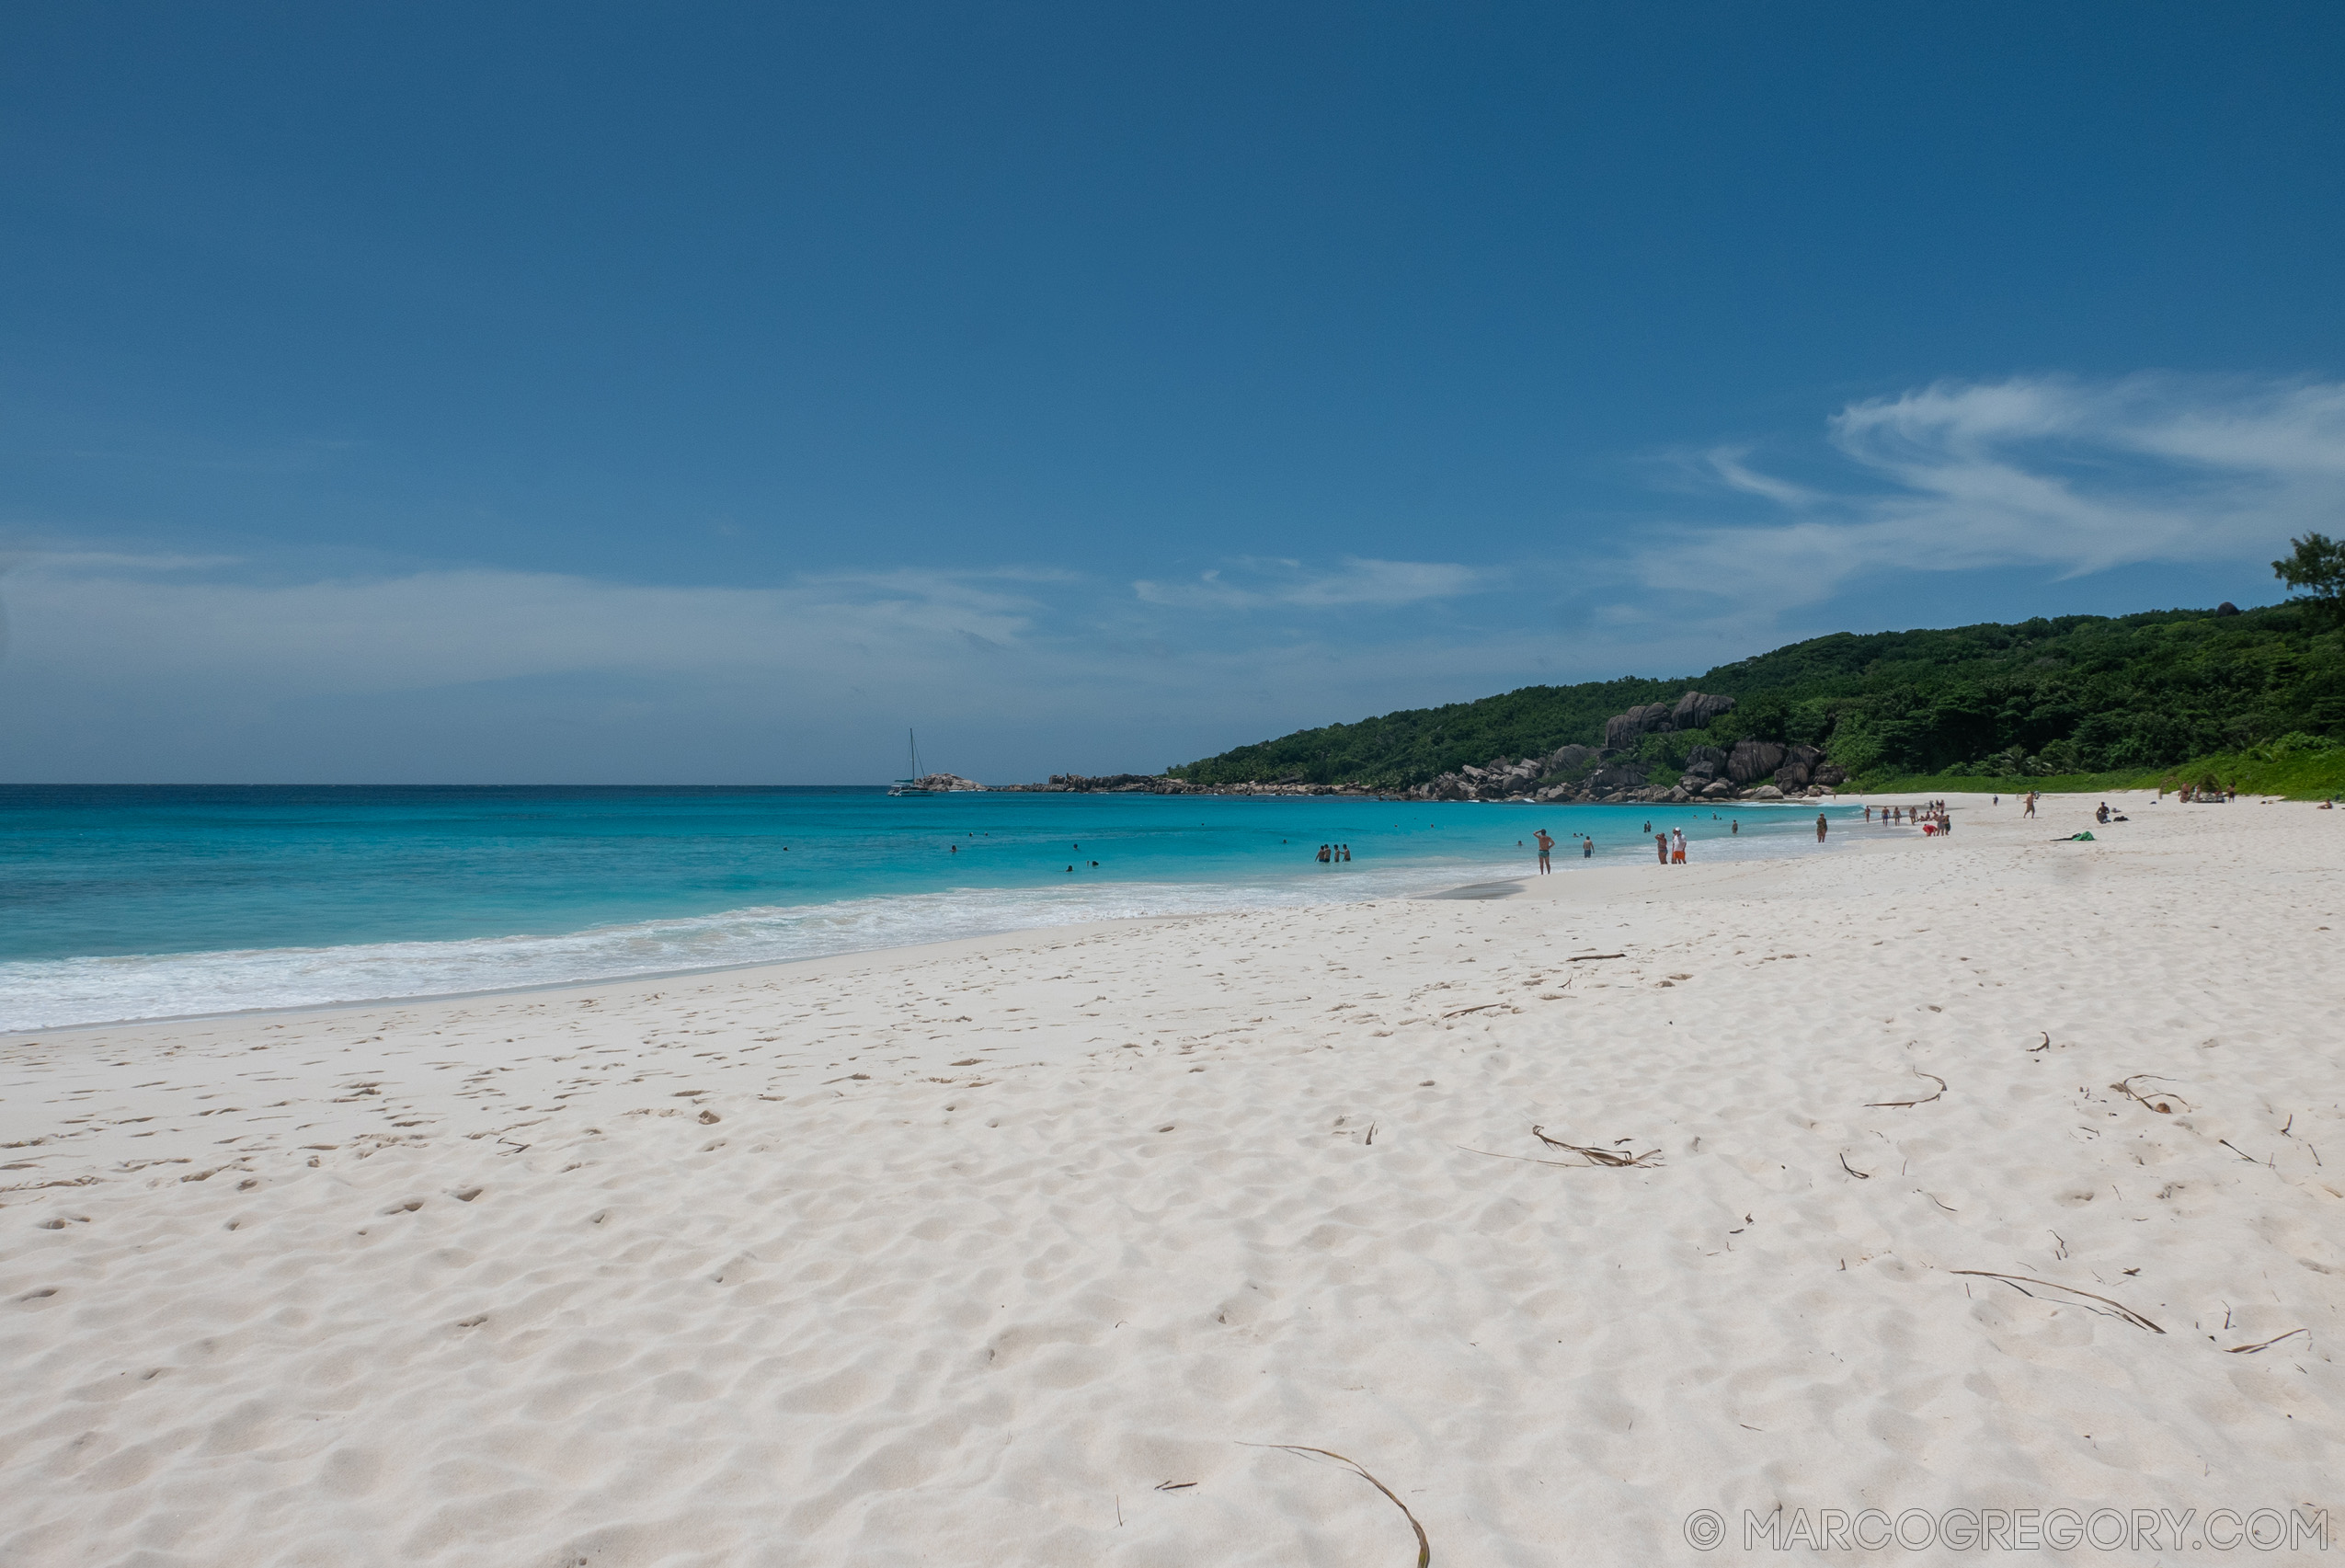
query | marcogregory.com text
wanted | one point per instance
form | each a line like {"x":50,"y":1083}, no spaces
{"x":2011,"y":1530}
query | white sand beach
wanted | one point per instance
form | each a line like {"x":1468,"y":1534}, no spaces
{"x":1034,"y":1248}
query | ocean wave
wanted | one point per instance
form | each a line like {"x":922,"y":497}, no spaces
{"x":51,"y":993}
{"x":60,"y":992}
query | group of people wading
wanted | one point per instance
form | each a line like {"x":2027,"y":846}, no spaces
{"x":1931,"y":818}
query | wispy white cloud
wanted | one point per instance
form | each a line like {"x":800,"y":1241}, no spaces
{"x":1257,"y":584}
{"x":2077,"y":476}
{"x":1727,"y":465}
{"x":127,"y":666}
{"x":151,"y":618}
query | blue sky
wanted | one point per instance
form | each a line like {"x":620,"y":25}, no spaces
{"x":483,"y":393}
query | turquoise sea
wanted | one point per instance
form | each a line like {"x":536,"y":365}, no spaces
{"x":120,"y":902}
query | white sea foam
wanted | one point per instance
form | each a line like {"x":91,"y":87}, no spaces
{"x":60,"y":992}
{"x":54,"y":994}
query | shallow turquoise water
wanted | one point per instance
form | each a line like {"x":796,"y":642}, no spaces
{"x":124,"y":902}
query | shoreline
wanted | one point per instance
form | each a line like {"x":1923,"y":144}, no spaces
{"x":421,"y":999}
{"x":1530,"y":886}
{"x":1507,"y":886}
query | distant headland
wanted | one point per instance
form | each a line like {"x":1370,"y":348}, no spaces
{"x":2254,"y":699}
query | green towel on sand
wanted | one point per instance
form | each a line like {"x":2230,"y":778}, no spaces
{"x":2078,"y":838}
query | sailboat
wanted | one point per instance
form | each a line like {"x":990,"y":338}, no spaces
{"x":912,"y":786}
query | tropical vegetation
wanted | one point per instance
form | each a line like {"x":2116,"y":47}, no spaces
{"x":2232,"y":694}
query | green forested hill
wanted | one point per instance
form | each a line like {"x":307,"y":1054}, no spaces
{"x":2080,"y":694}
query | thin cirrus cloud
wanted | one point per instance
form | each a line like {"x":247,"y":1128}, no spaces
{"x":2047,"y":472}
{"x":93,"y":621}
{"x":92,"y":617}
{"x":1258,"y":584}
{"x":132,"y":668}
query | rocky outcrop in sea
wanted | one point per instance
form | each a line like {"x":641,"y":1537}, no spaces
{"x":944,"y":784}
{"x":1108,"y":783}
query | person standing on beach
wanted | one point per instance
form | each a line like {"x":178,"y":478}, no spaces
{"x":2032,"y":805}
{"x":1660,"y":843}
{"x":1820,"y":826}
{"x":1676,"y":846}
{"x":1546,"y":847}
